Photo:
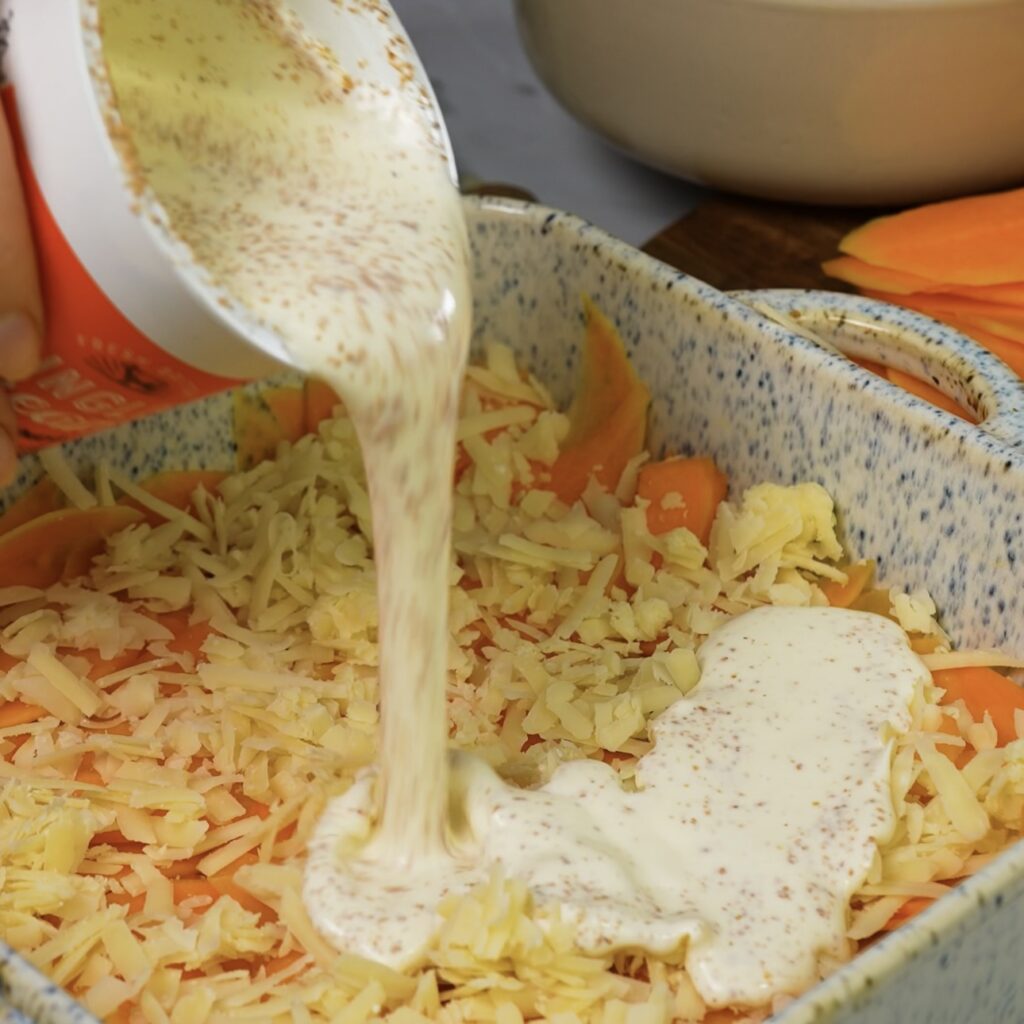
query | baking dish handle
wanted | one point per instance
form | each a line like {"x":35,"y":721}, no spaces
{"x":933,"y":352}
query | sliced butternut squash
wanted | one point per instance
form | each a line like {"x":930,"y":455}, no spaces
{"x":682,"y":493}
{"x":1011,"y":352}
{"x":872,"y":367}
{"x":320,"y":402}
{"x":175,"y":487}
{"x":928,"y":392}
{"x":867,"y":275}
{"x":972,"y":241}
{"x":859,"y":577}
{"x":59,"y":545}
{"x":607,"y":378}
{"x":939,"y":305}
{"x":898,"y":282}
{"x":39,"y":499}
{"x":602,"y":455}
{"x":1010,"y":294}
{"x":608,"y":417}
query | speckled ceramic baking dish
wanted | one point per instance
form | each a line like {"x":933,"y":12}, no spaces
{"x":936,"y":501}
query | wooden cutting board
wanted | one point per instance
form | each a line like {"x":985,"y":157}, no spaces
{"x":744,"y":243}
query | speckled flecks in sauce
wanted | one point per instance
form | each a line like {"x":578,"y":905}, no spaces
{"x":756,"y":818}
{"x":320,"y":209}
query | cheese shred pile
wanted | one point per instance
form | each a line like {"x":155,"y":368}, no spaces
{"x":211,"y":683}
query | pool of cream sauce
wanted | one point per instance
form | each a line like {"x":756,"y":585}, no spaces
{"x":755,"y":820}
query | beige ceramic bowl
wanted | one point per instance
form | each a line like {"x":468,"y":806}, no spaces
{"x":835,"y":101}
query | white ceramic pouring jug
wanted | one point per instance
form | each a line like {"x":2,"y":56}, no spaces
{"x":132,"y":325}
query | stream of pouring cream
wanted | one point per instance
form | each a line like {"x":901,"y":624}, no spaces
{"x":325,"y":209}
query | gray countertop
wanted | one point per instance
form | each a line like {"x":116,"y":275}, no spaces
{"x":505,"y":127}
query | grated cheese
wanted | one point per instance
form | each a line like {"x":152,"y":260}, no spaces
{"x":60,"y":472}
{"x":571,"y":629}
{"x":158,"y":505}
{"x":915,"y":612}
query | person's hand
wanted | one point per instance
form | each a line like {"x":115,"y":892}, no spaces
{"x":21,"y":307}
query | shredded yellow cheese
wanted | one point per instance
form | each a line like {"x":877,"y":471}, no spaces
{"x":212,"y":683}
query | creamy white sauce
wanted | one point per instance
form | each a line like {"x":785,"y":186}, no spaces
{"x":326,"y":213}
{"x":323,"y":207}
{"x":756,"y":819}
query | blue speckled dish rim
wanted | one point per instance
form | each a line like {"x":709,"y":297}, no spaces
{"x":27,"y":995}
{"x":47,"y":1002}
{"x":937,"y":342}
